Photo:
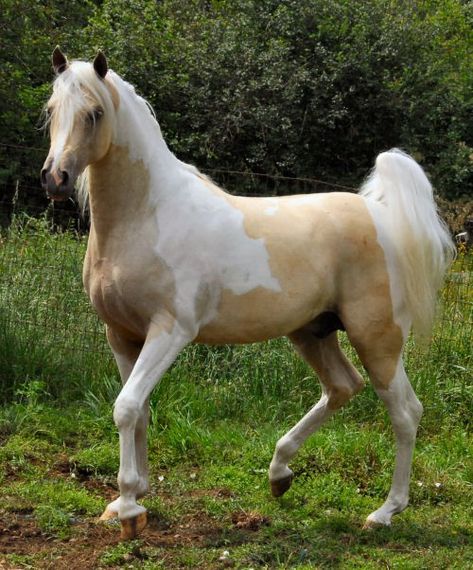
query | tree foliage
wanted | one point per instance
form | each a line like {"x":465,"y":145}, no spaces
{"x":312,"y":88}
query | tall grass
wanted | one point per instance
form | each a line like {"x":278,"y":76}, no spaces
{"x":47,"y":329}
{"x":49,"y":333}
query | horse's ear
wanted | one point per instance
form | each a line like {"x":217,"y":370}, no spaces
{"x":59,"y":61}
{"x":100,"y":65}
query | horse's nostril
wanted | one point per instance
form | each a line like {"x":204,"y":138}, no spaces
{"x":43,"y":176}
{"x":64,"y":177}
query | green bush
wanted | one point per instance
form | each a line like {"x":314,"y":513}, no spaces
{"x":305,"y":88}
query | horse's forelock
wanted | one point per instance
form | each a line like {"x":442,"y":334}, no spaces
{"x":77,"y":89}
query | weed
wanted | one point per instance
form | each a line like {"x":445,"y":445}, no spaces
{"x":53,"y":520}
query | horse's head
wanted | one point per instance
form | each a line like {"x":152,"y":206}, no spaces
{"x":81,"y":120}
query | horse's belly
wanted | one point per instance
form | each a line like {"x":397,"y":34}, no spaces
{"x":259,"y":315}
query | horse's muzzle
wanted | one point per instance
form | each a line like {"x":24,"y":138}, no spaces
{"x":57,"y":184}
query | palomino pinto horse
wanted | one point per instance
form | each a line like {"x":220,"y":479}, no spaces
{"x":172,"y":259}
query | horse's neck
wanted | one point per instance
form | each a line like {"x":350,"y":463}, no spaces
{"x":139,"y":131}
{"x":137,"y":173}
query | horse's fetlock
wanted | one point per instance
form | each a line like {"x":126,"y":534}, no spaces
{"x":286,"y":447}
{"x":128,"y":482}
{"x":142,"y":488}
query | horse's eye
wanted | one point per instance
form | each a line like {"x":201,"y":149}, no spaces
{"x":94,"y":115}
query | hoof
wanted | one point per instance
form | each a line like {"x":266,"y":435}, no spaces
{"x":279,"y":487}
{"x":108,"y":515}
{"x":132,"y":527}
{"x":371,"y":524}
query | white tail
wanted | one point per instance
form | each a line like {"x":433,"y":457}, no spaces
{"x":421,"y":239}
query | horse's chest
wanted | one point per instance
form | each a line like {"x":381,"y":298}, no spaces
{"x":129,"y":293}
{"x":114,"y":297}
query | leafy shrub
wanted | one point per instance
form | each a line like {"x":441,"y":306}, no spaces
{"x":311,"y":88}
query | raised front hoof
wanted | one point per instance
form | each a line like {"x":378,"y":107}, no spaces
{"x":280,"y":486}
{"x":131,"y":528}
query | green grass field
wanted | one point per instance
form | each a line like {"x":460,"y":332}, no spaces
{"x":215,"y":419}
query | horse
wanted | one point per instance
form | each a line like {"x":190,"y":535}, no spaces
{"x":173,"y":259}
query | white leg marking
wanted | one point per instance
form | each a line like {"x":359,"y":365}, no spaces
{"x":126,"y":354}
{"x":405,"y":412}
{"x":141,"y":448}
{"x":159,"y":352}
{"x":340,"y":381}
{"x":290,"y":443}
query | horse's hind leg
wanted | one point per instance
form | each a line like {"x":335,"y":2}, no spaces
{"x":381,"y":354}
{"x":340,"y":381}
{"x":405,"y":412}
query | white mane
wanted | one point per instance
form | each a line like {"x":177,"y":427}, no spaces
{"x":79,"y":90}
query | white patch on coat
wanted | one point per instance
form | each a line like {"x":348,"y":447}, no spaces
{"x":399,"y":309}
{"x":203,"y":241}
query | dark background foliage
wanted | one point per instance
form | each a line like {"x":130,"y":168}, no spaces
{"x":298,"y":88}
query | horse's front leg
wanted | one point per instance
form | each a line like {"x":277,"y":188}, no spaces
{"x":164,"y":342}
{"x":126,"y":353}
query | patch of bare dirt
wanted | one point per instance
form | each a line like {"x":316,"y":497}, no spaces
{"x":20,"y":535}
{"x":249,"y":521}
{"x":196,"y":530}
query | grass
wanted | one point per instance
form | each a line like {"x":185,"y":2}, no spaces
{"x":215,"y":419}
{"x":201,"y":499}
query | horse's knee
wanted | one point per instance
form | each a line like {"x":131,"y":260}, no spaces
{"x":126,"y":413}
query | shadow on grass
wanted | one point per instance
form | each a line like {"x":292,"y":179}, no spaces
{"x":331,"y":541}
{"x":407,"y":533}
{"x":403,"y":537}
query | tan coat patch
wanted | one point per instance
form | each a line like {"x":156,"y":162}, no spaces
{"x":326,"y":256}
{"x":117,"y":275}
